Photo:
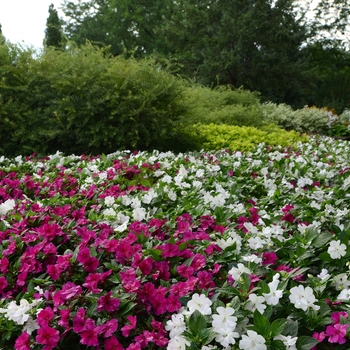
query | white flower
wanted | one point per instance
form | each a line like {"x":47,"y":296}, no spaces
{"x":252,"y":341}
{"x":139,"y":214}
{"x":200,"y":303}
{"x":344,"y":294}
{"x":255,"y":303}
{"x":252,"y":258}
{"x":226,"y":337}
{"x":288,"y":341}
{"x":17,"y":313}
{"x":275,"y":295}
{"x":109,"y":212}
{"x":224,"y":319}
{"x":135,"y":203}
{"x":236,"y":272}
{"x":176,"y":325}
{"x":324,"y":275}
{"x":109,"y":201}
{"x":30,"y":326}
{"x":256,"y":243}
{"x":7,"y":206}
{"x":341,"y":281}
{"x":147,"y":198}
{"x":178,"y":343}
{"x":303,"y":298}
{"x":251,"y":228}
{"x":336,"y":250}
{"x":126,"y":200}
{"x":172,"y":195}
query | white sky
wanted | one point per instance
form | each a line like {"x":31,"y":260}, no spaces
{"x":24,"y":21}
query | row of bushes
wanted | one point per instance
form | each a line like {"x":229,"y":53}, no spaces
{"x":83,"y":100}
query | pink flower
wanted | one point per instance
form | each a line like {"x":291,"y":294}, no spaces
{"x":109,"y":327}
{"x":129,"y":327}
{"x":83,"y":255}
{"x":3,"y":283}
{"x":336,"y":316}
{"x":112,"y":343}
{"x":134,"y":346}
{"x":269,"y":258}
{"x":79,"y":321}
{"x":64,"y":321}
{"x":48,"y":336}
{"x":91,"y":264}
{"x":22,"y":342}
{"x":337,"y":333}
{"x":45,"y":316}
{"x":173,"y":303}
{"x":107,"y":303}
{"x":89,"y":336}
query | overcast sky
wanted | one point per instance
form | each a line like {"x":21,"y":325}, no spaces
{"x":24,"y":21}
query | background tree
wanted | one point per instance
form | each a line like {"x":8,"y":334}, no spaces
{"x":53,"y":32}
{"x":124,"y":25}
{"x":2,"y":38}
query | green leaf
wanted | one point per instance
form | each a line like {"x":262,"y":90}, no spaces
{"x":125,"y":308}
{"x":3,"y":227}
{"x":277,"y":345}
{"x":322,"y":239}
{"x":261,"y":324}
{"x":291,"y":328}
{"x":277,"y":327}
{"x":244,"y":283}
{"x":197,"y":322}
{"x":306,"y":343}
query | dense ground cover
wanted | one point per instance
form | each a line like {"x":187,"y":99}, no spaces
{"x":205,"y":250}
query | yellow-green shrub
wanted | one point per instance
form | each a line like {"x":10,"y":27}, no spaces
{"x":244,"y":138}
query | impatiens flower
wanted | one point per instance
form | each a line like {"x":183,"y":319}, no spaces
{"x":337,"y":333}
{"x":7,"y":206}
{"x":48,"y":336}
{"x":275,"y":295}
{"x":129,"y":327}
{"x":288,"y":341}
{"x":226,"y":337}
{"x":200,"y":303}
{"x":224,"y":319}
{"x":30,"y":326}
{"x":303,"y":298}
{"x":336,"y":249}
{"x":108,"y":303}
{"x":22,"y":342}
{"x":252,"y":341}
{"x":112,"y":343}
{"x":176,"y":325}
{"x":44,"y":316}
{"x":18,"y":313}
{"x":269,"y":258}
{"x":255,"y":303}
{"x":89,"y":335}
{"x":236,"y":272}
{"x":178,"y":343}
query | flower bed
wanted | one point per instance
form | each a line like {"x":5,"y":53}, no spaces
{"x":212,"y":250}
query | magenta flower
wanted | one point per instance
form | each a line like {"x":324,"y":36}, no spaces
{"x":79,"y":321}
{"x":22,"y":342}
{"x":337,"y":333}
{"x":112,"y":343}
{"x":48,"y":336}
{"x":269,"y":258}
{"x":336,"y":316}
{"x":89,"y":336}
{"x":106,"y":302}
{"x":109,"y":327}
{"x":129,"y":327}
{"x":45,"y":316}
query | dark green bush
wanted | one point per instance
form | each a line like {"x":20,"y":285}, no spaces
{"x":84,"y":101}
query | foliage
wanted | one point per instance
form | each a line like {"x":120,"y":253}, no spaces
{"x":222,"y":105}
{"x":155,"y":250}
{"x":242,"y":43}
{"x":53,"y":32}
{"x":310,"y":120}
{"x":331,"y":62}
{"x":243,"y":138}
{"x":83,"y":100}
{"x":124,"y":25}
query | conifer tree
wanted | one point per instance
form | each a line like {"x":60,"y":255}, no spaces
{"x":53,"y":32}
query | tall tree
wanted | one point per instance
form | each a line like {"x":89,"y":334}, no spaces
{"x":53,"y":32}
{"x":251,"y":43}
{"x":123,"y":24}
{"x":2,"y":38}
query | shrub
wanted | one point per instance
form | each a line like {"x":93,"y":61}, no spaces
{"x":222,"y":106}
{"x":244,"y":138}
{"x":311,"y":120}
{"x":85,"y":101}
